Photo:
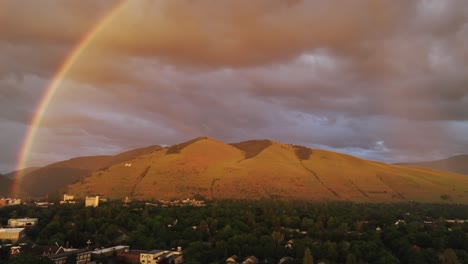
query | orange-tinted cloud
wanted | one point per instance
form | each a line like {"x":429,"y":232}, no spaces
{"x":381,"y":79}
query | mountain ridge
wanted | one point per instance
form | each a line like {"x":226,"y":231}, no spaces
{"x":458,"y":164}
{"x":5,"y":184}
{"x":60,"y":174}
{"x":265,"y":169}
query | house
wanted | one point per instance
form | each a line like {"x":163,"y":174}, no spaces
{"x":251,"y":260}
{"x":12,"y":234}
{"x":232,"y":260}
{"x":22,"y":222}
{"x":15,"y":250}
{"x":92,"y":201}
{"x":162,"y":256}
{"x":286,"y":260}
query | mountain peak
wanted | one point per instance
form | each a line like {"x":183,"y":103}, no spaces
{"x":177,"y":148}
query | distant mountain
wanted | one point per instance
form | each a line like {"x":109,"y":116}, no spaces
{"x":264,"y":169}
{"x":21,"y":172}
{"x":5,"y":184}
{"x":458,"y":164}
{"x":56,"y":176}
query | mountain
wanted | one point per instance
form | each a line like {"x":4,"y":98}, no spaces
{"x":56,"y":176}
{"x":5,"y":184}
{"x":25,"y":171}
{"x":458,"y":164}
{"x":263,"y":169}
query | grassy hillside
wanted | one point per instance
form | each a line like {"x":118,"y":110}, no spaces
{"x":25,"y":171}
{"x":457,"y":164}
{"x":56,"y":176}
{"x":270,"y":170}
{"x":5,"y":184}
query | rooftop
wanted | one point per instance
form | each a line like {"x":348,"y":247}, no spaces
{"x":110,"y":249}
{"x":156,"y":251}
{"x":26,"y":219}
{"x":11,"y":230}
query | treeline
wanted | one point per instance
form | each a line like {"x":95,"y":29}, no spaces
{"x":334,"y":232}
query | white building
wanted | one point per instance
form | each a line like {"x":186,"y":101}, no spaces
{"x":22,"y":222}
{"x":162,"y":256}
{"x":9,"y":201}
{"x":68,"y":199}
{"x":109,"y":251}
{"x":92,"y":201}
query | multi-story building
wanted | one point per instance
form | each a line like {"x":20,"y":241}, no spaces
{"x":68,"y":199}
{"x":92,"y":201}
{"x":22,"y":222}
{"x":12,"y":234}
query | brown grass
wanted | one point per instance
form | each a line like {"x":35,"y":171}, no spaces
{"x":273,"y":170}
{"x":56,"y":176}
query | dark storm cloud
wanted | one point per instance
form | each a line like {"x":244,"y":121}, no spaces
{"x":383,"y":80}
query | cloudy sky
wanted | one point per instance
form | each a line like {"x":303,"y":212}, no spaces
{"x":382,"y":80}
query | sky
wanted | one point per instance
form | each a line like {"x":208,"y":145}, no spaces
{"x":381,"y":80}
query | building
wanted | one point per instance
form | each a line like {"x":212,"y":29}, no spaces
{"x":44,"y":204}
{"x":129,"y":257}
{"x":22,"y":222}
{"x":68,"y":199}
{"x":109,"y":251}
{"x":9,"y":201}
{"x":232,"y":260}
{"x":92,"y":201}
{"x":79,"y":256}
{"x":162,"y":256}
{"x":12,"y":234}
{"x":251,"y":260}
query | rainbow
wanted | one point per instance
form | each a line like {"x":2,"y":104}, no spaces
{"x":53,"y":86}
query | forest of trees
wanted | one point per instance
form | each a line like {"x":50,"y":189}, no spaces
{"x":305,"y":232}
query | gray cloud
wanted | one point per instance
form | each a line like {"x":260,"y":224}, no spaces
{"x":382,"y":80}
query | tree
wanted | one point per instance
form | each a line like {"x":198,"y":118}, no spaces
{"x":449,"y":257}
{"x":351,"y":259}
{"x":27,"y":259}
{"x":308,"y":259}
